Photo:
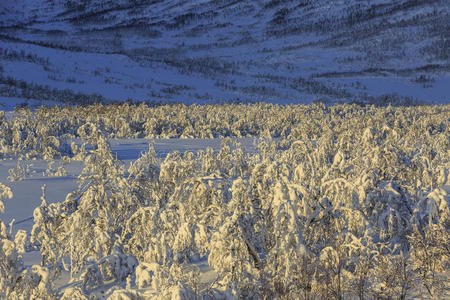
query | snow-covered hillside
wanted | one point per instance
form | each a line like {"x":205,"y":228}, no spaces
{"x":84,"y":51}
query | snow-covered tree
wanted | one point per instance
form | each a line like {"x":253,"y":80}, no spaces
{"x":16,"y":280}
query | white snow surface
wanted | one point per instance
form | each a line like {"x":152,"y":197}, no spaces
{"x":216,"y":51}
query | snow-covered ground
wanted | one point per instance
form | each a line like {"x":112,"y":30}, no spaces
{"x":175,"y":51}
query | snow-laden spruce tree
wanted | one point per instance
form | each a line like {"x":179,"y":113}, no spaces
{"x":99,"y":208}
{"x":16,"y":280}
{"x":143,"y":178}
{"x":430,"y":256}
{"x":103,"y":201}
{"x":151,"y":230}
{"x":20,"y":172}
{"x":232,"y":254}
{"x":11,"y":264}
{"x":46,"y":231}
{"x":289,"y":263}
{"x":5,"y":135}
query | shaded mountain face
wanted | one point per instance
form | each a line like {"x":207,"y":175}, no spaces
{"x":214,"y":51}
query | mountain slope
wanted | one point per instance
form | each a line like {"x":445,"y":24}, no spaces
{"x":213,"y":51}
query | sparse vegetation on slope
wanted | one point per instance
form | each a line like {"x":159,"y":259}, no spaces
{"x":227,"y":50}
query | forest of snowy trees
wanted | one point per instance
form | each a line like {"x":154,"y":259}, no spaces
{"x":341,"y":202}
